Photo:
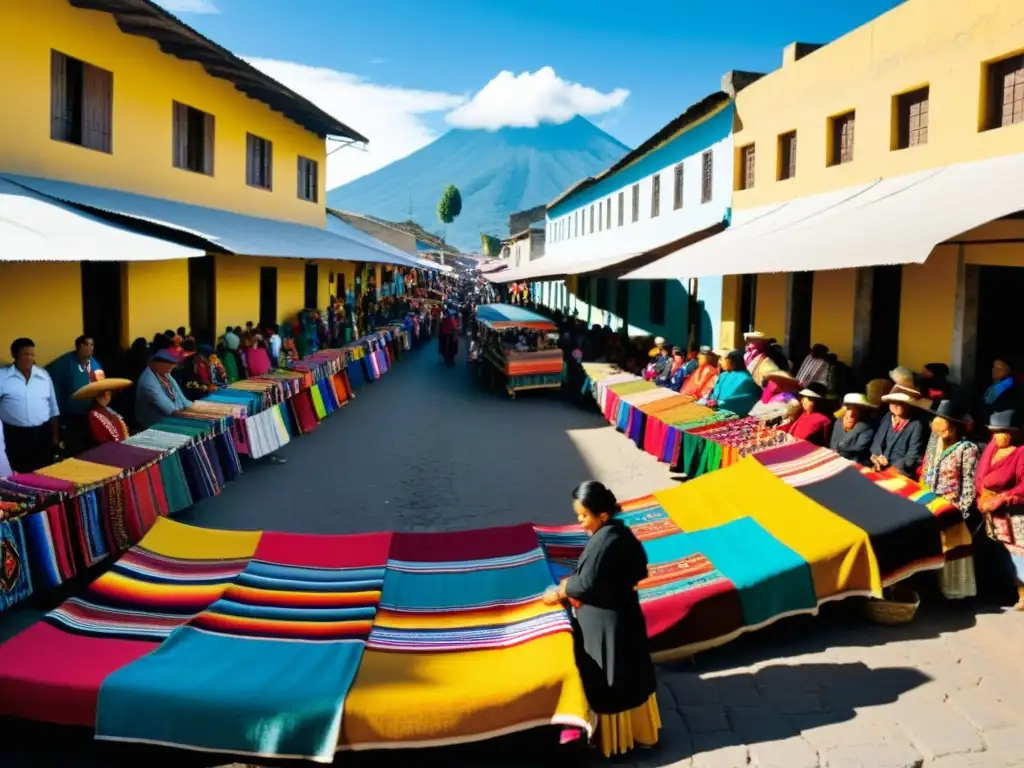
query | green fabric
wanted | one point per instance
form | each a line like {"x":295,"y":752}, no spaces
{"x":230,"y":366}
{"x":172,"y":474}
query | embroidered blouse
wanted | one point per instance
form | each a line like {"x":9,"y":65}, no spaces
{"x":951,"y":472}
{"x":107,"y":426}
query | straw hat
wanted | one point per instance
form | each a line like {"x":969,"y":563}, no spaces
{"x":907,"y":397}
{"x":856,"y":398}
{"x":814,"y":391}
{"x":93,"y":388}
{"x":754,"y":336}
{"x":783,"y":379}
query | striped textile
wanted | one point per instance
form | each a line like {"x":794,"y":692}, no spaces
{"x":527,"y":363}
{"x":800,"y":463}
{"x":458,"y":608}
{"x":265,"y":671}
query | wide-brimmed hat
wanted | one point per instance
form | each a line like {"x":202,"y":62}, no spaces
{"x":951,"y":410}
{"x":659,"y":341}
{"x":93,"y":388}
{"x":164,"y":356}
{"x":858,"y":399}
{"x":754,"y":336}
{"x":814,"y":390}
{"x":704,"y":349}
{"x":1004,"y":421}
{"x":906,"y":397}
{"x":723,"y":352}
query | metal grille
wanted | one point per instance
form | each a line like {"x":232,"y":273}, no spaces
{"x":608,"y":214}
{"x":842,"y":138}
{"x":787,"y":155}
{"x":747,"y":168}
{"x":677,"y":188}
{"x":622,"y":208}
{"x":636,"y":202}
{"x":655,"y":195}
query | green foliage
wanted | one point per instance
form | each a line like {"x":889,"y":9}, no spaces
{"x":450,"y":204}
{"x":490,"y":245}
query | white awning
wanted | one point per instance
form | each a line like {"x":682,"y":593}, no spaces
{"x":548,"y":267}
{"x":890,"y":221}
{"x":34,"y":227}
{"x":223,"y":230}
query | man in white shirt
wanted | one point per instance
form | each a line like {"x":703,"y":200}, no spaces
{"x":28,"y":410}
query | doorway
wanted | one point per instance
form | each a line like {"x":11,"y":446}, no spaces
{"x":268,"y":296}
{"x":748,"y":302}
{"x":312,"y":287}
{"x":883,"y":347}
{"x":101,"y":308}
{"x":202,"y":299}
{"x":798,"y":322}
{"x":999,"y":295}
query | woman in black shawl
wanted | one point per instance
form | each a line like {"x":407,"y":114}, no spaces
{"x":610,"y":633}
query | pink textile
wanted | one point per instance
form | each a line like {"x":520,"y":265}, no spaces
{"x":258,"y":362}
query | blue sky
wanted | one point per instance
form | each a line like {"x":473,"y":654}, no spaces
{"x":396,"y":69}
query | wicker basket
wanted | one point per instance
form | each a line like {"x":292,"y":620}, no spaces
{"x":895,"y":610}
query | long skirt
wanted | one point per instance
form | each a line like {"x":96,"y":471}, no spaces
{"x":623,"y":731}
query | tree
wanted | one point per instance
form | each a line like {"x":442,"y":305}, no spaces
{"x":450,"y":204}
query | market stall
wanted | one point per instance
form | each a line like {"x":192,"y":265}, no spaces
{"x":520,"y":346}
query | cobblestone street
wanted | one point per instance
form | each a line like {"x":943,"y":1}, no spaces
{"x":426,"y":449}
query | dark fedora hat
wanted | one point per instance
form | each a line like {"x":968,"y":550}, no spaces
{"x":951,"y":410}
{"x":1004,"y":421}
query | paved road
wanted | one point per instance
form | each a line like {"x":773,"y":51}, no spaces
{"x":426,"y":449}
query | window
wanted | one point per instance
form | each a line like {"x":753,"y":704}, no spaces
{"x":591,"y":218}
{"x":600,"y":216}
{"x":655,"y":195}
{"x":622,"y":207}
{"x":583,"y":289}
{"x":677,"y":187}
{"x":842,"y":139}
{"x":706,"y":176}
{"x":747,"y":162}
{"x":259,"y":162}
{"x":1006,"y":92}
{"x":608,"y":214}
{"x":81,"y":103}
{"x":912,"y":119}
{"x":657,"y":302}
{"x":636,"y":202}
{"x":309,"y":180}
{"x":193,"y":139}
{"x":787,"y":155}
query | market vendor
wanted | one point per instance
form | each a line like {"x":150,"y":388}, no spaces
{"x":854,"y":428}
{"x":158,"y":395}
{"x":735,"y":389}
{"x":105,"y":424}
{"x":779,"y":396}
{"x":899,"y":441}
{"x":612,"y":651}
{"x":69,"y":373}
{"x":700,"y":383}
{"x":755,"y":355}
{"x":813,"y":424}
{"x":28,"y":410}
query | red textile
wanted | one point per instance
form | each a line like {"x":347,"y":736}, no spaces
{"x":324,"y":551}
{"x":815,"y":428}
{"x":52,"y":676}
{"x":105,"y":426}
{"x":305,"y":415}
{"x":463,"y":545}
{"x":257,"y":361}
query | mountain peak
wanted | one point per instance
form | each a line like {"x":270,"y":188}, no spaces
{"x":497,"y":173}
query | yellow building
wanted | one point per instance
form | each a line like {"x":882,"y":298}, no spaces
{"x":123,"y":115}
{"x":876,"y":184}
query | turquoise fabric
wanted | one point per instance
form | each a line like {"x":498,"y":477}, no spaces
{"x":461,"y":589}
{"x":771,"y":578}
{"x":240,"y":695}
{"x":735,"y":391}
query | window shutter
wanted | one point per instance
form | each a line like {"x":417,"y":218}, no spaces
{"x":208,"y":128}
{"x":250,"y":159}
{"x":179,"y":134}
{"x":59,"y":118}
{"x":268,"y":164}
{"x":96,"y":129}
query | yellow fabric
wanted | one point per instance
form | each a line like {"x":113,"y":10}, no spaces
{"x":188,"y":542}
{"x":838,"y":552}
{"x":80,"y":472}
{"x":637,"y":727}
{"x":444,"y":698}
{"x":426,"y":620}
{"x":956,"y":536}
{"x":629,"y":387}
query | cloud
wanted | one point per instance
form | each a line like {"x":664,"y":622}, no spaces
{"x":528,"y":99}
{"x":391,"y":117}
{"x":189,"y":6}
